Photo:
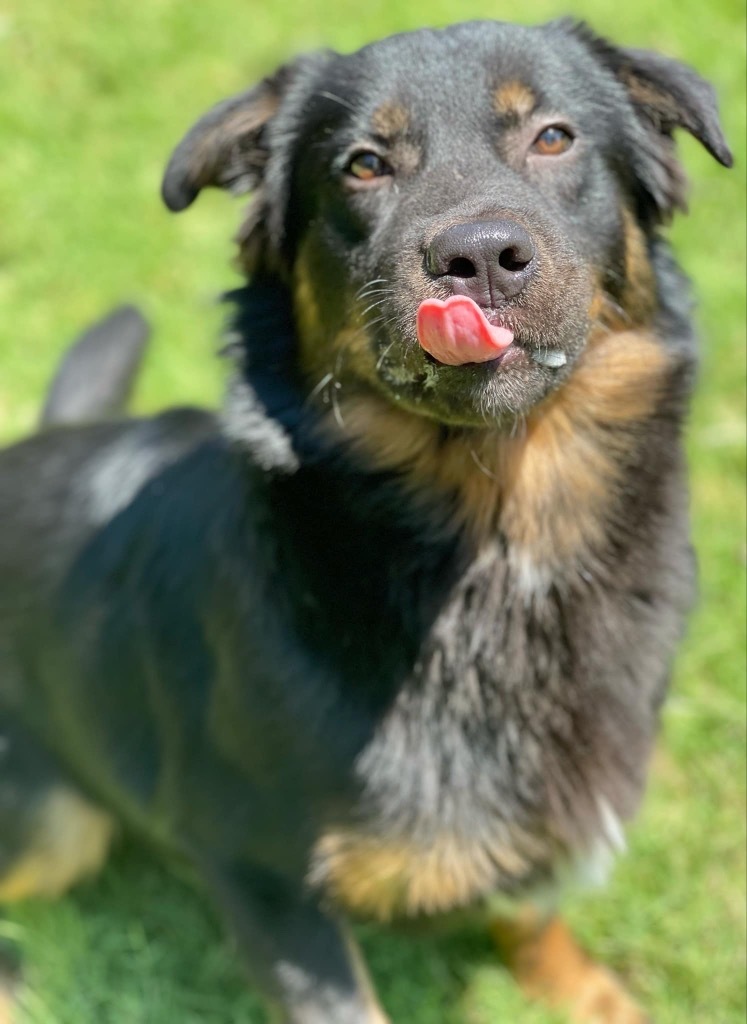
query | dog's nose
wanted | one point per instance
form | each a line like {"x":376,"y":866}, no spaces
{"x":490,"y":261}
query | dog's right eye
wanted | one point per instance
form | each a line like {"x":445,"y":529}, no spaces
{"x":367,"y":165}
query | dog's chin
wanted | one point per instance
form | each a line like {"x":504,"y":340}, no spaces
{"x":494,"y":393}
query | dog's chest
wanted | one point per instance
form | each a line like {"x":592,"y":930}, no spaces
{"x":465,"y":785}
{"x":447,"y":823}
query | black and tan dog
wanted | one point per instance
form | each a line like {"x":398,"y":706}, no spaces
{"x":389,"y":636}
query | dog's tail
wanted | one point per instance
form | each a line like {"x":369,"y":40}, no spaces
{"x":96,"y":375}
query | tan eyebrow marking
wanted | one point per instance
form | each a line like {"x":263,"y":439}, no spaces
{"x":390,"y":118}
{"x":514,"y":99}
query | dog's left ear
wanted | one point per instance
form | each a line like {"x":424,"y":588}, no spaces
{"x":227,"y":148}
{"x":665,"y":94}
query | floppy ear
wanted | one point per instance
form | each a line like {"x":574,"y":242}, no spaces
{"x":665,"y":95}
{"x":227,"y":147}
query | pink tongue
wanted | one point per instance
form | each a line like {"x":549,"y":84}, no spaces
{"x":456,"y":332}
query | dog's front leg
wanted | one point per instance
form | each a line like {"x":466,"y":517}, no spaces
{"x":301,"y":958}
{"x":551,"y":967}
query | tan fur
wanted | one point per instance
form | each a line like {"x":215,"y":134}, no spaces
{"x":514,"y":99}
{"x":551,"y":968}
{"x":321,"y":352}
{"x":406,"y":157}
{"x":390,"y":119}
{"x":549,"y":487}
{"x":71,"y":840}
{"x":638,"y":299}
{"x":639,"y":294}
{"x":250,"y":239}
{"x":386,"y":878}
{"x":306,"y":308}
{"x":562,"y":477}
{"x":211,"y":148}
{"x":661,"y":105}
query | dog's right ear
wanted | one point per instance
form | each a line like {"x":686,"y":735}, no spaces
{"x":227,"y":147}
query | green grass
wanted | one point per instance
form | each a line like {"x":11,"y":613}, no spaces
{"x":92,"y":96}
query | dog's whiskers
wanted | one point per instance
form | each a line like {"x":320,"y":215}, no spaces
{"x":374,"y":305}
{"x":613,"y":307}
{"x":369,"y":284}
{"x":384,"y":292}
{"x":337,"y":99}
{"x":326,"y":379}
{"x":481,"y":466}
{"x":384,"y":354}
{"x":335,"y":390}
{"x":518,"y":427}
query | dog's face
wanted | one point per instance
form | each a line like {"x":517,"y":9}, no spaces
{"x":456,"y":211}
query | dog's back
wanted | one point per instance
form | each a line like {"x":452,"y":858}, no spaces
{"x":88,"y":460}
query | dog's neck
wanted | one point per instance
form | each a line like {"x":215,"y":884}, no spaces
{"x":549,"y":485}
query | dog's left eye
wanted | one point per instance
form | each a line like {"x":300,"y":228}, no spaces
{"x":552,"y":141}
{"x":367,"y":165}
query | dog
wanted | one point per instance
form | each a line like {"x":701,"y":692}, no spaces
{"x":387,"y":636}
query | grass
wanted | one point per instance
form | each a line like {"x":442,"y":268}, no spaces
{"x":91,"y":98}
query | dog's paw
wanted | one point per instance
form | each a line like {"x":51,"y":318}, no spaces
{"x":602,"y":999}
{"x":551,"y":968}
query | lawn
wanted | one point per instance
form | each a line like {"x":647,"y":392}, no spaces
{"x":92,"y":96}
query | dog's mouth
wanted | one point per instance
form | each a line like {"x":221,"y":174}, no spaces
{"x":456,"y":332}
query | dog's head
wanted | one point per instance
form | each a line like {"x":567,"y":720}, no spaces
{"x":455,"y":211}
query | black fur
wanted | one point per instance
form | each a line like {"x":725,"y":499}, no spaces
{"x":239,"y":633}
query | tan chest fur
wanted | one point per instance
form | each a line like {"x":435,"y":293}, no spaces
{"x":384,"y":879}
{"x":550,"y":487}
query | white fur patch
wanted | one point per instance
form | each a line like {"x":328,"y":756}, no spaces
{"x":124,"y":467}
{"x":246,"y":422}
{"x":532,"y":580}
{"x":589,"y":869}
{"x":592,"y":870}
